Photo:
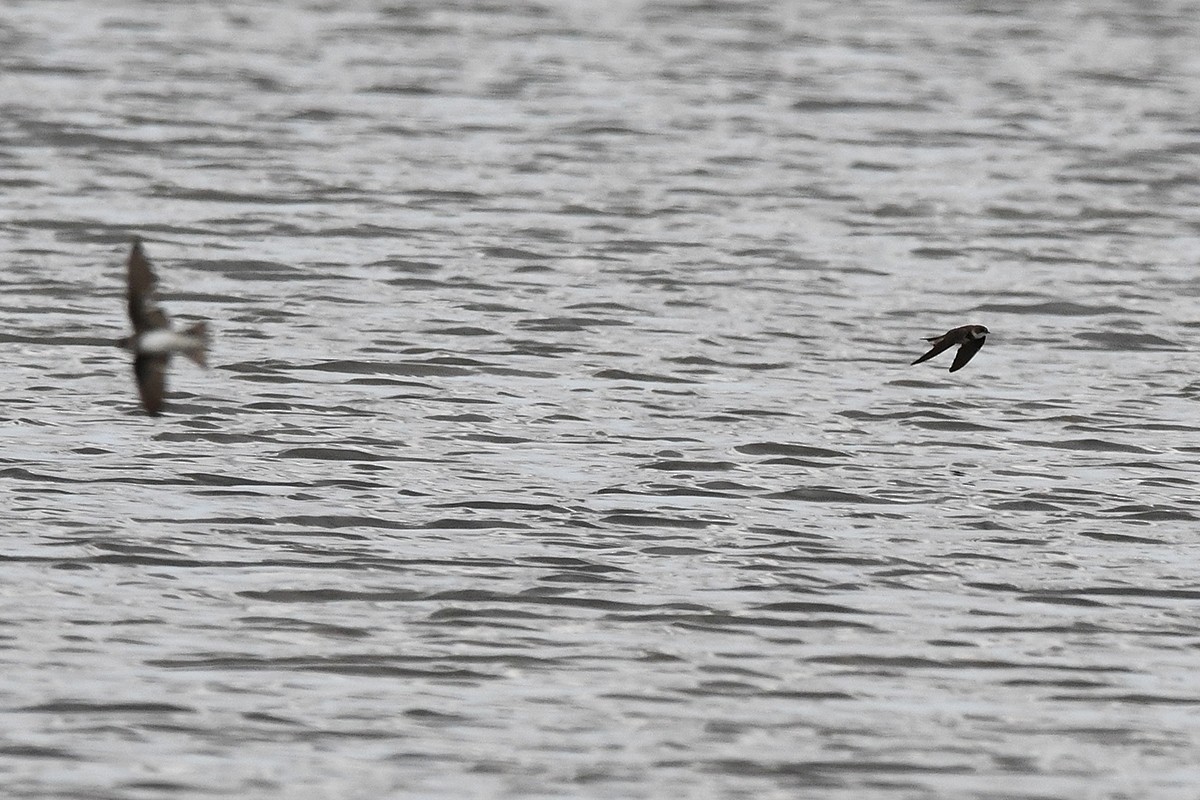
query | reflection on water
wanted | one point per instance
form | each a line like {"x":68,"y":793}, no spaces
{"x":560,"y":437}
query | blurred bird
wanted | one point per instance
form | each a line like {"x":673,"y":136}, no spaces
{"x":154,"y":341}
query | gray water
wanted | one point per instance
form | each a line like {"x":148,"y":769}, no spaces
{"x":560,"y":438}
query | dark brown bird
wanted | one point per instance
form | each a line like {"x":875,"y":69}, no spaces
{"x":154,"y":340}
{"x":969,"y":338}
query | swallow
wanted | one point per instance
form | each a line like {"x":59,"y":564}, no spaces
{"x":154,"y":341}
{"x":969,"y":338}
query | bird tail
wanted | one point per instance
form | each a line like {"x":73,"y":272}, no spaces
{"x":199,"y":352}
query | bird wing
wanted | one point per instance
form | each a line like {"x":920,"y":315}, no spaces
{"x":151,"y":373}
{"x":144,"y":313}
{"x":940,"y":345}
{"x":969,"y":348}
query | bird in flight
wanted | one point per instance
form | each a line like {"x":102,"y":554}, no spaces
{"x":154,"y":341}
{"x":969,"y":338}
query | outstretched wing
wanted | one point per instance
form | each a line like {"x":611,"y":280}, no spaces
{"x":144,"y":313}
{"x":940,"y":345}
{"x":969,"y":348}
{"x":151,"y":374}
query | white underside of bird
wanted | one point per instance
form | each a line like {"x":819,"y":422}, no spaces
{"x":165,"y":341}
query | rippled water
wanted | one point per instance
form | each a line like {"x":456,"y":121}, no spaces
{"x":560,"y":439}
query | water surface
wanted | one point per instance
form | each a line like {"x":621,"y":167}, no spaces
{"x":560,"y":439}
